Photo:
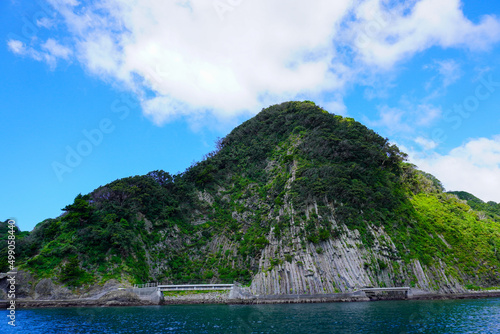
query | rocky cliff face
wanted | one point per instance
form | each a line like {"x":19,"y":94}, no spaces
{"x":290,"y":264}
{"x":345,"y":265}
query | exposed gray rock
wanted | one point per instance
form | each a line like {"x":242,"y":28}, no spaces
{"x":61,"y":292}
{"x":45,"y":289}
{"x":112,"y":283}
{"x":120,"y":296}
{"x":344,"y":265}
{"x":97,"y":291}
{"x":4,"y":284}
{"x":25,"y":283}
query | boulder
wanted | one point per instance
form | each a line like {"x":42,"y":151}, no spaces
{"x":24,"y":284}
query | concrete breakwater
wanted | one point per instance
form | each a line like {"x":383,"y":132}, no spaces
{"x":205,"y":297}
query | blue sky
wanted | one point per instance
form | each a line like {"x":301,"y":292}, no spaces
{"x":93,"y":91}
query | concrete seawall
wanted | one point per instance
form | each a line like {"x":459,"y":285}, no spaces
{"x":151,"y":296}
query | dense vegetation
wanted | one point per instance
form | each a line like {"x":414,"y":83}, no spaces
{"x":491,"y":209}
{"x":212,"y":222}
{"x":4,"y":234}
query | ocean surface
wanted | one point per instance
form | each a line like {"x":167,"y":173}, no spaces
{"x":448,"y":316}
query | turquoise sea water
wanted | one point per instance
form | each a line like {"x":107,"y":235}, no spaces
{"x":448,"y":316}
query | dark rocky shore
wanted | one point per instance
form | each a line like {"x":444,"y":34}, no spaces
{"x":30,"y":293}
{"x":467,"y":295}
{"x":128,"y":298}
{"x":353,"y":297}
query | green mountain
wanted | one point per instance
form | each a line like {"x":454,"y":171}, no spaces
{"x":491,"y":209}
{"x":294,"y":200}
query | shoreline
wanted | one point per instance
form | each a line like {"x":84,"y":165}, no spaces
{"x":271,"y":299}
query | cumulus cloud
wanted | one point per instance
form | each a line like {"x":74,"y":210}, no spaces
{"x":56,"y":50}
{"x":225,"y":57}
{"x":473,"y":167}
{"x":385,"y":35}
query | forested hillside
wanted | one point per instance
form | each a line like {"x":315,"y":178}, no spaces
{"x":293,"y":200}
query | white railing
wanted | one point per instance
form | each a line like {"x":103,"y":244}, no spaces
{"x":180,"y":287}
{"x":385,"y":289}
{"x":146,"y":285}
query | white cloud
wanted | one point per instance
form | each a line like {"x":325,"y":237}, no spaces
{"x":56,"y":50}
{"x":45,"y":22}
{"x":386,"y":35}
{"x":403,"y":119}
{"x":427,"y":144}
{"x":449,"y":70}
{"x":393,"y":119}
{"x":473,"y":167}
{"x":425,"y":114}
{"x":163,"y":109}
{"x":248,"y":54}
{"x":51,"y":50}
{"x":16,"y":46}
{"x":100,"y":53}
{"x":21,"y":49}
{"x":187,"y":54}
{"x":336,"y":106}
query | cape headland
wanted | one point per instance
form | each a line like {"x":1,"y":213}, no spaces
{"x":296,"y":204}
